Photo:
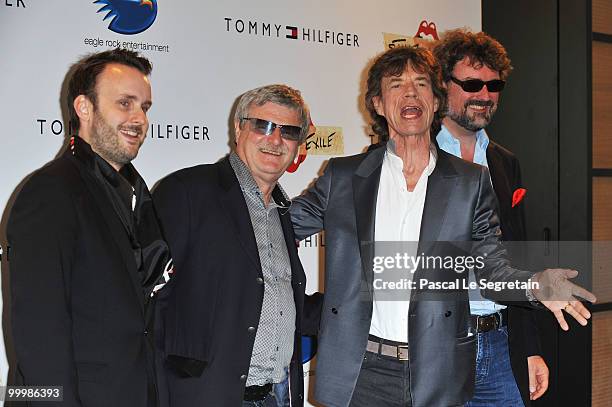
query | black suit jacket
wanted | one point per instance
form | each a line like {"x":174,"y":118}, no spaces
{"x":216,"y":293}
{"x":78,"y":314}
{"x":523,"y":339}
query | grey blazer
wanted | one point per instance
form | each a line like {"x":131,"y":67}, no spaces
{"x":460,"y":206}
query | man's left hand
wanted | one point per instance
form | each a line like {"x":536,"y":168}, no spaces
{"x":558,"y":294}
{"x":538,"y":376}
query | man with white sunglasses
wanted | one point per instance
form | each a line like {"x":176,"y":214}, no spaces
{"x":233,"y":316}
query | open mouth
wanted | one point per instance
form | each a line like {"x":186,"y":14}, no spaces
{"x":272,"y":152}
{"x":478,"y":108}
{"x":133,"y":134}
{"x":411,"y":112}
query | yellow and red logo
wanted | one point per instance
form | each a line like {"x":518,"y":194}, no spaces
{"x":321,"y":140}
{"x":427,"y":31}
{"x":425,"y":36}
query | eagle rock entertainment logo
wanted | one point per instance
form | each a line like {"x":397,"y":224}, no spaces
{"x":128,"y":16}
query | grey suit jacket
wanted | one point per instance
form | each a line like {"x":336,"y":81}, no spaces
{"x":460,"y":206}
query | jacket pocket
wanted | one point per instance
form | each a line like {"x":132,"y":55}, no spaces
{"x":466,"y":339}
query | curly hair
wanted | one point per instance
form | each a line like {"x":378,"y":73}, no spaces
{"x":393,"y":63}
{"x":480,"y":48}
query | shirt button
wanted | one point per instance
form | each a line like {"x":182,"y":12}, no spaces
{"x":281,"y":312}
{"x":259,"y":280}
{"x":251,"y":329}
{"x":334,"y":311}
{"x":243,"y":377}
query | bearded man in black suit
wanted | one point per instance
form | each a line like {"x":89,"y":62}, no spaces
{"x":87,"y":252}
{"x":509,"y":368}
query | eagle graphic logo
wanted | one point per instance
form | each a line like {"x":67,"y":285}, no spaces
{"x":128,"y":16}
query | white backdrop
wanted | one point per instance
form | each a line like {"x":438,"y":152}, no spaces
{"x":205,"y":54}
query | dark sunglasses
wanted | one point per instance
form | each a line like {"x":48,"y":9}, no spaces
{"x":266,"y":127}
{"x":474,"y":85}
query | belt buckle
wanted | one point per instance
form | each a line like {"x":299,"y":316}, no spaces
{"x":495,"y":320}
{"x":486,"y":323}
{"x":402,"y":352}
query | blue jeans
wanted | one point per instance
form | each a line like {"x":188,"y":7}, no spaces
{"x":495,"y":384}
{"x":278,"y":397}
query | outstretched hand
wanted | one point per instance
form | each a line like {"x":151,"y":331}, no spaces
{"x":558,"y":294}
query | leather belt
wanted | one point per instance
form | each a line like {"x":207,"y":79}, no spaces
{"x":257,"y":393}
{"x":385,"y":347}
{"x":486,"y":323}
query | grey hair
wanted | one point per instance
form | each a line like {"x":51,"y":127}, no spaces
{"x":278,"y":94}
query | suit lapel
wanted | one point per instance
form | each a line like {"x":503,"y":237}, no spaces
{"x":439,"y":192}
{"x":365,"y":191}
{"x":504,"y":185}
{"x":496,"y":171}
{"x":235,"y":207}
{"x":115,"y":229}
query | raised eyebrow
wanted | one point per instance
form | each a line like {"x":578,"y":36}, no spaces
{"x":424,"y":78}
{"x":146,"y":103}
{"x":395,"y":79}
{"x":126,"y":96}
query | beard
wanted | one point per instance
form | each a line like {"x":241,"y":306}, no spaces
{"x":107,"y":143}
{"x":477,"y":121}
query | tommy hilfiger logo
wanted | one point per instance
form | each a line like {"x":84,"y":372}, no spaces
{"x":292,"y":32}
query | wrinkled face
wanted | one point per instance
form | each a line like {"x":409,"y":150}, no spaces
{"x":267,"y":156}
{"x":407,"y":102}
{"x":117,"y":126}
{"x":472,"y":111}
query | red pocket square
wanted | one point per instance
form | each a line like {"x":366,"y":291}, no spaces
{"x":518,"y":196}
